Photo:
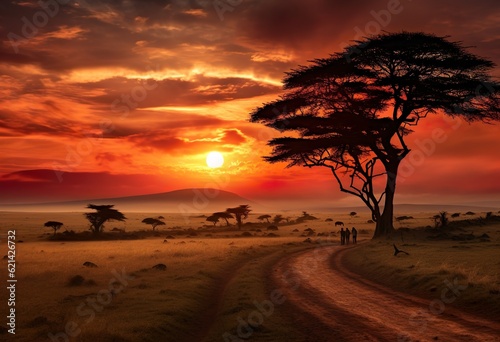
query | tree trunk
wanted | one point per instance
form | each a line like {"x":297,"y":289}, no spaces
{"x":385,"y":224}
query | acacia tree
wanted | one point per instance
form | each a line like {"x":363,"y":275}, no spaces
{"x":54,"y":225}
{"x":351,"y":112}
{"x":102,"y":214}
{"x":277,"y":219}
{"x":153,"y":222}
{"x":213,"y":218}
{"x":241,"y":212}
{"x":264,"y":217}
{"x":223,"y":215}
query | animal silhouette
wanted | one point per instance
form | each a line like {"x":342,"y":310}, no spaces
{"x":397,"y":251}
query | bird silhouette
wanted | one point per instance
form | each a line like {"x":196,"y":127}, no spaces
{"x":397,"y":251}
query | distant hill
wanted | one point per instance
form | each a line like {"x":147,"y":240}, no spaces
{"x":196,"y":200}
{"x":208,"y":200}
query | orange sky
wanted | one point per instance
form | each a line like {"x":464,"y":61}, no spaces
{"x":127,"y":97}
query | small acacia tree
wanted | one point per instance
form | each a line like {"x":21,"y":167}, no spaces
{"x":223,"y":215}
{"x":102,"y":214}
{"x":153,"y":222}
{"x":54,"y":225}
{"x":277,"y":219}
{"x":351,"y":112}
{"x":264,"y":217}
{"x":241,"y":212}
{"x":213,"y":218}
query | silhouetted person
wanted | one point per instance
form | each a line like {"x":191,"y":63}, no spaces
{"x":354,"y":235}
{"x":347,"y":235}
{"x":342,"y":236}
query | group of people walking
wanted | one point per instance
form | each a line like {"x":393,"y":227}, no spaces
{"x":345,"y":235}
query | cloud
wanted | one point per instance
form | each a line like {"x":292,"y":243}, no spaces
{"x":197,"y":90}
{"x":169,"y":142}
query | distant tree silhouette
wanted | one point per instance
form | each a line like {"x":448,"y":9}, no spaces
{"x":454,"y":215}
{"x":223,"y":215}
{"x":403,"y":218}
{"x":436,"y":220}
{"x":213,"y":218}
{"x":277,"y":219}
{"x":305,"y":217}
{"x":441,"y":219}
{"x":353,"y":213}
{"x":241,"y":212}
{"x":102,"y":214}
{"x":54,"y":225}
{"x":400,"y":219}
{"x":153,"y":222}
{"x":352,"y":111}
{"x":264,"y":217}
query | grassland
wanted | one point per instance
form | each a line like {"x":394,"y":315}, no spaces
{"x":182,"y":302}
{"x":472,"y":265}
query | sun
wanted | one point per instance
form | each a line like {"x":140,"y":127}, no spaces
{"x":215,"y":159}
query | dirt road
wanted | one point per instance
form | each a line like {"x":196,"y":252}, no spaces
{"x":334,"y":304}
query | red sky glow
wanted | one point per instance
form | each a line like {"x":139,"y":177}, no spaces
{"x":126,"y":97}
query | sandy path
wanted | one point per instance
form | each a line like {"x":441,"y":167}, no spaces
{"x":334,"y":304}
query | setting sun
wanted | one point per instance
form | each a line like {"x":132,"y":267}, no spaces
{"x":215,"y":160}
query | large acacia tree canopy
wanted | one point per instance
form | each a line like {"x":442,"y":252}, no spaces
{"x":102,"y":214}
{"x":375,"y":89}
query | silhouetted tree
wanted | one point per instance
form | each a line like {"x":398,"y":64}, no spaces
{"x":241,"y":212}
{"x":441,"y":219}
{"x":352,"y":111}
{"x":400,"y":219}
{"x":54,"y":225}
{"x":153,"y":222}
{"x":436,"y":220}
{"x":102,"y":214}
{"x":353,"y":213}
{"x":223,"y":215}
{"x":305,"y":217}
{"x":213,"y":218}
{"x":455,"y":215}
{"x":277,"y":219}
{"x":264,"y":217}
{"x":404,"y":218}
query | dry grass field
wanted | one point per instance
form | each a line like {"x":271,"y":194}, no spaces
{"x":472,"y":265}
{"x":212,"y":278}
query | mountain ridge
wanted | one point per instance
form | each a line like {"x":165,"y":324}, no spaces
{"x":190,"y":200}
